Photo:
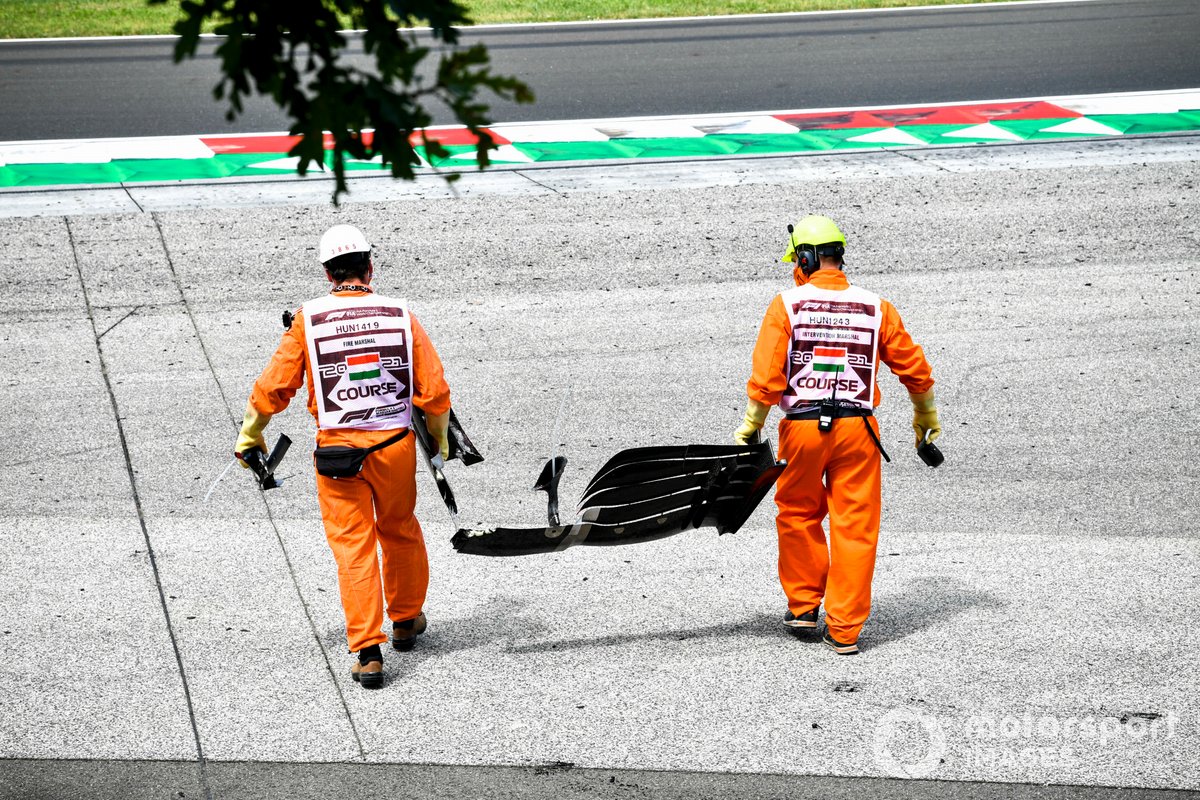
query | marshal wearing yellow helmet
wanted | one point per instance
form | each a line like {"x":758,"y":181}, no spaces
{"x":817,"y":356}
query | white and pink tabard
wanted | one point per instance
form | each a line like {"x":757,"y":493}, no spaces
{"x":360,"y":350}
{"x":834,"y":348}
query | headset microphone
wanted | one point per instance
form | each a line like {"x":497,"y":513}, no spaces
{"x":805,"y":259}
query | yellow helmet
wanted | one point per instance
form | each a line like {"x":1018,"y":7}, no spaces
{"x":813,"y":231}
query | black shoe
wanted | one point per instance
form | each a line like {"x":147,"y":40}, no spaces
{"x":404,"y":634}
{"x":841,"y":648}
{"x":368,"y":669}
{"x":804,"y":623}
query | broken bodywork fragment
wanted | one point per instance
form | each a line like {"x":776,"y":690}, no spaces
{"x":461,"y":448}
{"x":644,"y":494}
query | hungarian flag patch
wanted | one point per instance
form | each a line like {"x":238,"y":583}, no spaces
{"x":829,"y":359}
{"x":362,"y":367}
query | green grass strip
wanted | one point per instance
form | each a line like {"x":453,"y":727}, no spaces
{"x":39,"y":19}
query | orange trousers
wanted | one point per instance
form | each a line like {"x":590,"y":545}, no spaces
{"x":375,"y":509}
{"x":835,"y":473}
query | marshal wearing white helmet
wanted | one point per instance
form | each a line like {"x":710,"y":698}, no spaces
{"x":366,"y":361}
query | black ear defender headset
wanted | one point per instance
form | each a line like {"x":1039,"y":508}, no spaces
{"x":807,"y":255}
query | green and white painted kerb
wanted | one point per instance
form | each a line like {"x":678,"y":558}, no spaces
{"x":213,"y":158}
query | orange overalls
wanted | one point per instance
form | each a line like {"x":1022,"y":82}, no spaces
{"x":375,"y":507}
{"x":835,"y":473}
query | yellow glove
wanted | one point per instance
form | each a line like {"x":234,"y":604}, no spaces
{"x":251,"y":436}
{"x":437,"y":426}
{"x":756,"y":415}
{"x":925,"y":417}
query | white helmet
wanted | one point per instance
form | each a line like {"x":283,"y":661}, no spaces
{"x":342,"y":239}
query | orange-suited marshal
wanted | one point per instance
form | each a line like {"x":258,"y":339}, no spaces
{"x":817,"y":356}
{"x":366,"y":361}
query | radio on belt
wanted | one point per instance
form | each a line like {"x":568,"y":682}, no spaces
{"x":825,"y":423}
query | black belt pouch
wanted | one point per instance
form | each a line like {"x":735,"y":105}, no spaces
{"x":340,"y":461}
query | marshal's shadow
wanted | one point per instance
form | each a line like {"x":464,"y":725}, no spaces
{"x":757,"y":626}
{"x":923,"y":603}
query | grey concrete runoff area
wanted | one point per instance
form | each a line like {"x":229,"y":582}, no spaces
{"x":1034,"y":630}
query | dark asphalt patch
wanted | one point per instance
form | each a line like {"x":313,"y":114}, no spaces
{"x":30,"y":779}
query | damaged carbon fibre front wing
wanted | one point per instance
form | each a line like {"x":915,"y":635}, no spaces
{"x":643,"y":494}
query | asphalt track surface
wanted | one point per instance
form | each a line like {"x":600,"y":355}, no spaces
{"x":114,"y":88}
{"x":1033,"y":630}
